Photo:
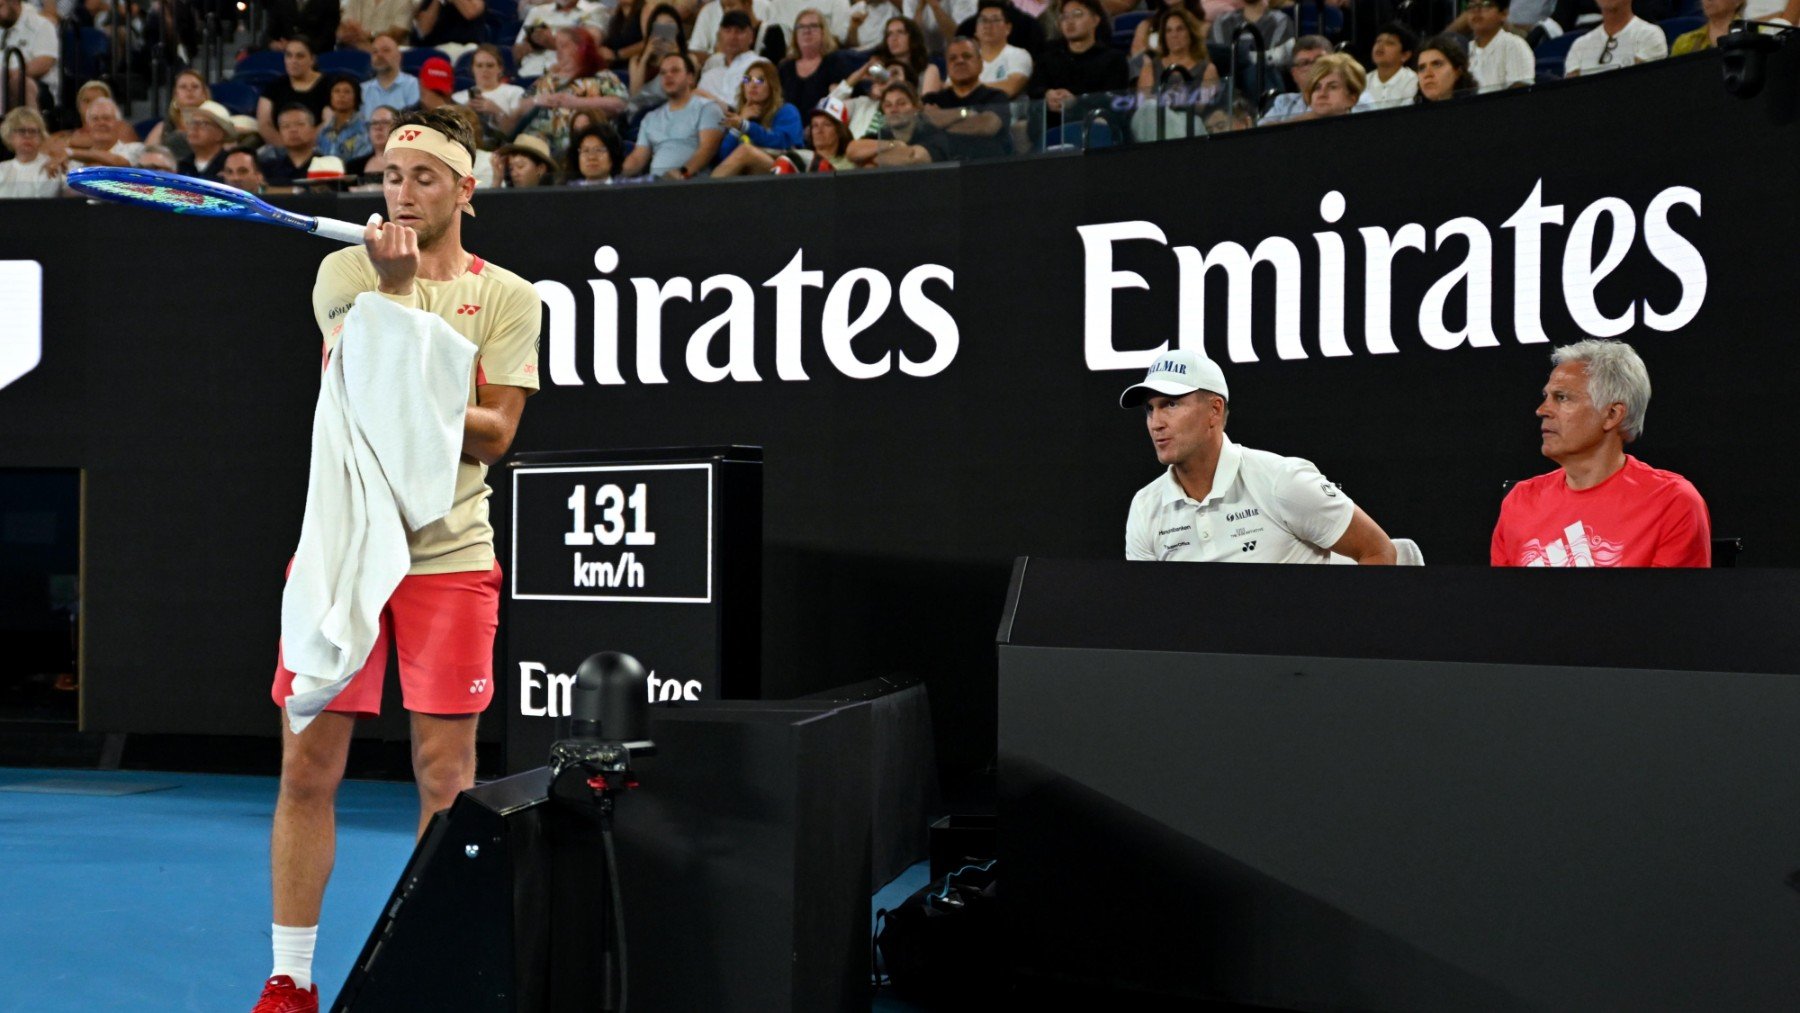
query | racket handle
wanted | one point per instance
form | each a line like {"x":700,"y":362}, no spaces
{"x":343,"y":232}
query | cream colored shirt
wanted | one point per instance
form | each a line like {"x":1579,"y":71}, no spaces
{"x":498,"y":311}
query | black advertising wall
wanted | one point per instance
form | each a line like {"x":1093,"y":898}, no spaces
{"x":913,"y":351}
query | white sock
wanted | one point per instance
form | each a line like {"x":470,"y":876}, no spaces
{"x":294,"y":953}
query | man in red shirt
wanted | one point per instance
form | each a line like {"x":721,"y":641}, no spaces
{"x":1603,"y":507}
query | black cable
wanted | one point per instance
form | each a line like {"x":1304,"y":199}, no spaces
{"x":612,"y":882}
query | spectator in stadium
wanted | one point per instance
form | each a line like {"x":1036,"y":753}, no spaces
{"x":723,"y":72}
{"x":23,"y":28}
{"x":903,"y":41}
{"x":625,"y":32}
{"x":664,"y":34}
{"x":1601,"y":506}
{"x":865,"y":110}
{"x":1622,"y":39}
{"x":814,"y":63}
{"x":1179,"y":59}
{"x":301,"y":83}
{"x":1143,"y":37}
{"x":243,"y":171}
{"x":1394,"y":81}
{"x":828,"y":135}
{"x":595,"y":157}
{"x":1285,"y":510}
{"x":87,"y":93}
{"x":312,"y":22}
{"x":441,"y":22}
{"x":758,"y":116}
{"x":103,"y":138}
{"x":1004,"y":66}
{"x":1221,"y":118}
{"x":361,"y":22}
{"x":186,"y":94}
{"x":498,"y":102}
{"x":834,"y":13}
{"x":1277,"y":29}
{"x":207,"y":128}
{"x":381,"y":123}
{"x":577,"y":82}
{"x":974,"y":118}
{"x":904,"y":137}
{"x":537,"y":33}
{"x":436,"y":81}
{"x":525,"y":162}
{"x":703,"y":34}
{"x":1029,"y":20}
{"x":345,"y":131}
{"x":30,"y":172}
{"x":1080,"y":64}
{"x":157,"y":157}
{"x":1497,"y":57}
{"x":680,"y":137}
{"x":1290,"y":104}
{"x":1719,"y":16}
{"x":299,"y":132}
{"x":390,"y":86}
{"x":1443,"y":70}
{"x":1335,"y":85}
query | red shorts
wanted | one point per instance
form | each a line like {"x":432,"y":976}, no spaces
{"x":443,"y":626}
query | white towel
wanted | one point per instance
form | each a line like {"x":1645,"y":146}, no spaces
{"x":387,"y":436}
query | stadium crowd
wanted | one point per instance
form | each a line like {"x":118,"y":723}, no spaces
{"x":601,"y":92}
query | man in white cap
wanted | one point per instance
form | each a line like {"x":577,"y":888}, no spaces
{"x":1219,"y":502}
{"x":442,"y":618}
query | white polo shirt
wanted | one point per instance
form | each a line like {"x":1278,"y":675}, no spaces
{"x":1638,"y":42}
{"x":1263,"y":508}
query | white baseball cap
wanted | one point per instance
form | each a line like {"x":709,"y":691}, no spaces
{"x":1176,"y":373}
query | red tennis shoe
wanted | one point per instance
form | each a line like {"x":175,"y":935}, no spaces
{"x":280,"y":996}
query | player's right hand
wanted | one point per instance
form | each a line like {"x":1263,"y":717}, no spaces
{"x":394,"y":253}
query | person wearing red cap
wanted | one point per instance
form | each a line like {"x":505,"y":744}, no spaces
{"x":436,"y":82}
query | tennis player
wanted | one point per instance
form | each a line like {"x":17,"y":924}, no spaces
{"x":443,"y":616}
{"x":1219,"y":502}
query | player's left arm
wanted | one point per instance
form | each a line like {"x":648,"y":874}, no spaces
{"x":1313,"y":508}
{"x":1686,"y":535}
{"x":1365,"y":542}
{"x":509,"y":367}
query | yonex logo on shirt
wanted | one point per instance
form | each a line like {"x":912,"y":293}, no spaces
{"x":467,"y":309}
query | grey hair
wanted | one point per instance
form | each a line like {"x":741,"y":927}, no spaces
{"x":1615,"y":375}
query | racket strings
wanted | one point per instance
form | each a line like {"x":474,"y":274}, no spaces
{"x":165,"y":196}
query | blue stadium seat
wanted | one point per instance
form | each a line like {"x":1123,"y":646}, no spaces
{"x":1674,"y":27}
{"x":1319,"y":19}
{"x":236,"y":96}
{"x":464,"y":82}
{"x":414,"y":58}
{"x":1683,"y":8}
{"x":266,"y":62}
{"x":1125,"y":27}
{"x":96,"y":49}
{"x":1552,"y":54}
{"x":354,"y":62}
{"x":144,"y":126}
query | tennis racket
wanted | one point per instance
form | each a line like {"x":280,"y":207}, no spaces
{"x":185,"y":195}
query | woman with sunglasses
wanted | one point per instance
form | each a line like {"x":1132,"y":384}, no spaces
{"x":763,"y":124}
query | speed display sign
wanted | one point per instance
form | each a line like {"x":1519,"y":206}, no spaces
{"x":640,"y":532}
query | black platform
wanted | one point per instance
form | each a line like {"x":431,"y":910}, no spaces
{"x":1577,"y":790}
